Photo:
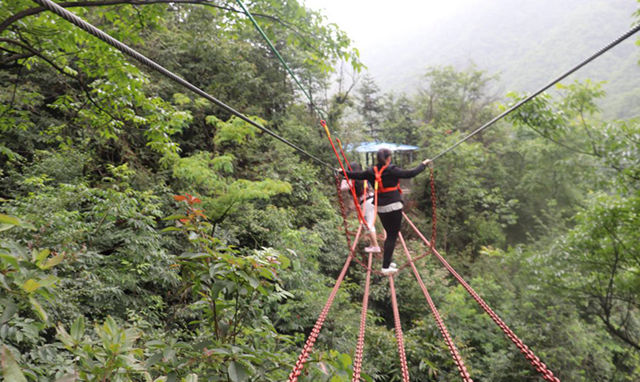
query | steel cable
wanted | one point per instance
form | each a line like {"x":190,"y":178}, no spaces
{"x":550,"y":84}
{"x":74,"y":19}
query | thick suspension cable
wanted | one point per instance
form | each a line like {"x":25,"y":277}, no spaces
{"x":398,"y":330}
{"x":546,"y":374}
{"x":74,"y":19}
{"x":357,"y":361}
{"x":550,"y":84}
{"x":308,"y":346}
{"x":457,"y":359}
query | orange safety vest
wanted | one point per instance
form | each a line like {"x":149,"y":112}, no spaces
{"x":382,"y":188}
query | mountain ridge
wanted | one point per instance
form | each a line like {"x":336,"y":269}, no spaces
{"x":526,"y":45}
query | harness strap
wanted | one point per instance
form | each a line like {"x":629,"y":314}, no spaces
{"x":378,"y":186}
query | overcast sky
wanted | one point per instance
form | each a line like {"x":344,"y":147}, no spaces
{"x":369,"y":22}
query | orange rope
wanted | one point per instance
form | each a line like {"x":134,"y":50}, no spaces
{"x":351,"y":187}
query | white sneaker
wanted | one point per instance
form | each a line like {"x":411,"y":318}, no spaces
{"x":372,"y":249}
{"x":389,"y":271}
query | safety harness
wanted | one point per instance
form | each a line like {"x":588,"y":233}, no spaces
{"x":378,"y":186}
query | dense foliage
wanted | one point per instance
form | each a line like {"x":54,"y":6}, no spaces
{"x":147,"y":235}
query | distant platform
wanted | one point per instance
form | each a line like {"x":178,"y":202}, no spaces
{"x":372,"y":147}
{"x":403,"y":154}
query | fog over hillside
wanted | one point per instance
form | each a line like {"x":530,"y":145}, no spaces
{"x":527,"y":43}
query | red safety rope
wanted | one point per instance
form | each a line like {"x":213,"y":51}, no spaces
{"x":357,"y":362}
{"x":351,"y":187}
{"x":308,"y":346}
{"x":343,"y":212}
{"x":398,"y":326}
{"x":457,"y":359}
{"x":343,"y":155}
{"x":546,"y":374}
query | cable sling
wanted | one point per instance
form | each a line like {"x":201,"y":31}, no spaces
{"x":457,"y":359}
{"x":357,"y":361}
{"x":597,"y":54}
{"x":74,"y":19}
{"x":524,"y":349}
{"x":398,"y":330}
{"x":279,"y":56}
{"x":308,"y":346}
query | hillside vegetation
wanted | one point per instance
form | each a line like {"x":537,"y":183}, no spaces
{"x":526,"y":43}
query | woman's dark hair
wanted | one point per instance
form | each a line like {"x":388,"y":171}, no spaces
{"x":382,"y":156}
{"x":359,"y":184}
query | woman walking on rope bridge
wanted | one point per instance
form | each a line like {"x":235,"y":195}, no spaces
{"x":386,"y":177}
{"x":365,"y":197}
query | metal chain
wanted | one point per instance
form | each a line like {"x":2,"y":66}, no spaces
{"x":524,"y":349}
{"x":433,"y":208}
{"x":398,"y":329}
{"x":457,"y":359}
{"x":357,"y":362}
{"x":308,"y":346}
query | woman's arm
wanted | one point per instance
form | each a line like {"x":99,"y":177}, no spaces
{"x":402,"y":173}
{"x":360,"y":175}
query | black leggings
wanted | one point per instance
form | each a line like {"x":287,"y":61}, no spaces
{"x":391,"y":222}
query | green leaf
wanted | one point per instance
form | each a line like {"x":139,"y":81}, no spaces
{"x":14,"y":221}
{"x":6,"y":219}
{"x":174,"y":217}
{"x":52,"y":262}
{"x":77,"y":329}
{"x":169,"y":229}
{"x":38,"y":309}
{"x":68,"y":378}
{"x":8,"y":258}
{"x":10,"y":369}
{"x":31,"y":285}
{"x":10,"y":308}
{"x":190,"y":378}
{"x":64,"y":336}
{"x":38,"y":257}
{"x":237,"y":372}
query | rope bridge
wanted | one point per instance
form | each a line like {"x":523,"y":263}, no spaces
{"x":545,"y":373}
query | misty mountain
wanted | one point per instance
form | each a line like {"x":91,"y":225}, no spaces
{"x":526,"y":43}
